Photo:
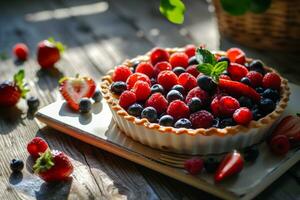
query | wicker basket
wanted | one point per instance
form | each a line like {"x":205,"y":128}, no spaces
{"x":277,"y":29}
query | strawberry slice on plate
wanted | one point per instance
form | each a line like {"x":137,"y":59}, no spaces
{"x":73,"y":89}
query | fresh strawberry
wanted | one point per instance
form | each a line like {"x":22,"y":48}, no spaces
{"x":48,"y":52}
{"x":12,"y":91}
{"x":37,"y":146}
{"x":231,"y":164}
{"x":21,"y":51}
{"x":73,"y":89}
{"x":239,"y":89}
{"x":53,"y":166}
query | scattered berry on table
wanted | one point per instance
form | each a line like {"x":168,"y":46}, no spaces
{"x":245,"y":102}
{"x":145,"y":68}
{"x":224,"y":58}
{"x":174,"y":95}
{"x":190,"y":50}
{"x":178,"y":109}
{"x":236,"y":55}
{"x":193,"y":166}
{"x":255,"y":78}
{"x":166,"y":120}
{"x":157,"y":88}
{"x":85,"y":105}
{"x":142,"y":90}
{"x":187,"y":80}
{"x":193,"y":61}
{"x":211,"y":164}
{"x":33,"y":103}
{"x":271,"y":94}
{"x":183,"y":123}
{"x":16,"y":165}
{"x":267,"y":106}
{"x":226,"y":122}
{"x":192,"y":69}
{"x":246,"y":81}
{"x":118,"y":87}
{"x":37,"y":146}
{"x":179,"y":59}
{"x":133,"y":78}
{"x":127,"y":98}
{"x":195,"y":104}
{"x":157,"y":101}
{"x":135,"y":110}
{"x":258,"y":66}
{"x":178,"y":70}
{"x":271,"y":80}
{"x":198,"y":92}
{"x":206,"y":83}
{"x":158,"y":55}
{"x":179,"y":88}
{"x":97,"y":97}
{"x":161,"y":66}
{"x":202,"y":119}
{"x":150,"y":114}
{"x":167,"y":79}
{"x":242,"y":116}
{"x":21,"y":51}
{"x":237,"y":71}
{"x":280,"y":144}
{"x":227,"y":105}
{"x":251,"y":153}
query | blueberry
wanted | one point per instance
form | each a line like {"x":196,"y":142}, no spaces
{"x":257,"y":65}
{"x":85,"y":105}
{"x":179,"y":88}
{"x":260,"y":90}
{"x":224,"y":58}
{"x":97,"y":96}
{"x":193,"y":61}
{"x":135,"y":110}
{"x":216,"y":123}
{"x":245,"y":102}
{"x":134,"y":65}
{"x":206,"y":83}
{"x":246,"y":81}
{"x":157,"y":88}
{"x":118,"y":87}
{"x":178,"y":70}
{"x":267,"y":105}
{"x":166,"y":120}
{"x":174,"y":95}
{"x":256,"y":114}
{"x":183,"y":123}
{"x":150,"y":114}
{"x":16,"y":165}
{"x":271,"y":94}
{"x":211,"y":165}
{"x":33,"y":103}
{"x":226,"y":122}
{"x":251,"y":153}
{"x":194,"y":104}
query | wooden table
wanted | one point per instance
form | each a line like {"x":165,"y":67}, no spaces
{"x":100,"y":35}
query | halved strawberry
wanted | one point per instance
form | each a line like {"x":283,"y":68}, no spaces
{"x":73,"y":89}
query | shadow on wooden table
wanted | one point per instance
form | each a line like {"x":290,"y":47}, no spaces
{"x":10,"y":117}
{"x":50,"y":77}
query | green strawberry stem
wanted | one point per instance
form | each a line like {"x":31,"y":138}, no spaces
{"x":44,"y":162}
{"x":19,"y":81}
{"x":60,"y":46}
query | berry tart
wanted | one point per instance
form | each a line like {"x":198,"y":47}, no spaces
{"x":190,"y":100}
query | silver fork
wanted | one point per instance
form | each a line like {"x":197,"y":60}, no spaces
{"x":174,"y":160}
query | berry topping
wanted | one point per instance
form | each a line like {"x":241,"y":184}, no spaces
{"x":256,"y":113}
{"x":133,"y":78}
{"x":37,"y":146}
{"x":195,"y":104}
{"x":145,"y":68}
{"x":178,"y":70}
{"x":280,"y":144}
{"x":21,"y":51}
{"x":206,"y":83}
{"x":121,"y":73}
{"x":183,"y":123}
{"x":224,"y":76}
{"x":142,"y":90}
{"x":85,"y":105}
{"x":16,"y":165}
{"x":202,"y":119}
{"x":187,"y":80}
{"x":251,"y":153}
{"x":271,"y":94}
{"x":166,"y":120}
{"x":245,"y":102}
{"x":227,"y":105}
{"x":135,"y":110}
{"x":260,"y":90}
{"x":179,"y":88}
{"x":178,"y":109}
{"x":33,"y":103}
{"x":237,"y":71}
{"x":242,"y":116}
{"x":258,"y":66}
{"x":246,"y":81}
{"x":161,"y":66}
{"x":198,"y":92}
{"x":236,"y":55}
{"x":158,"y":55}
{"x":127,"y":98}
{"x":192,"y":69}
{"x":150,"y":114}
{"x":97,"y":97}
{"x":157,"y":88}
{"x":190,"y":50}
{"x":227,"y":122}
{"x":118,"y":87}
{"x":157,"y":101}
{"x":167,"y":79}
{"x":214,"y":106}
{"x":271,"y":80}
{"x":194,"y":165}
{"x":211,"y":165}
{"x":267,"y":106}
{"x":174,"y":95}
{"x":224,"y":58}
{"x":193,"y":61}
{"x":134,"y":65}
{"x":255,"y":78}
{"x":179,"y":59}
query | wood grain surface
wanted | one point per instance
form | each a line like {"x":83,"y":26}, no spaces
{"x":100,"y":35}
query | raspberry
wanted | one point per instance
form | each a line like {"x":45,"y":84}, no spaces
{"x":37,"y":146}
{"x":133,"y":78}
{"x":194,"y":165}
{"x":167,"y":79}
{"x":179,"y":59}
{"x":127,"y":98}
{"x":190,"y":50}
{"x":280,"y":144}
{"x":255,"y":78}
{"x":161,"y":66}
{"x":271,"y":80}
{"x":214,"y":106}
{"x":121,"y":73}
{"x":142,"y":90}
{"x":187,"y":81}
{"x":178,"y":109}
{"x":21,"y":51}
{"x":157,"y":101}
{"x":223,"y":76}
{"x":202,"y":119}
{"x":145,"y":68}
{"x":236,"y":55}
{"x":242,"y":116}
{"x":227,"y":105}
{"x":158,"y":55}
{"x":192,"y":69}
{"x":237,"y":71}
{"x":197,"y":92}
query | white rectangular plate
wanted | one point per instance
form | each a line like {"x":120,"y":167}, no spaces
{"x":99,"y":129}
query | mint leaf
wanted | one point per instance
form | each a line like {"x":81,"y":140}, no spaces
{"x":205,"y":68}
{"x":218,"y":69}
{"x":18,"y":79}
{"x":59,"y":45}
{"x":173,"y":10}
{"x":205,"y":56}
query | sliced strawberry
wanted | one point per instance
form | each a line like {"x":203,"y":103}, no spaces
{"x":236,"y":55}
{"x":73,"y":89}
{"x":239,"y":89}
